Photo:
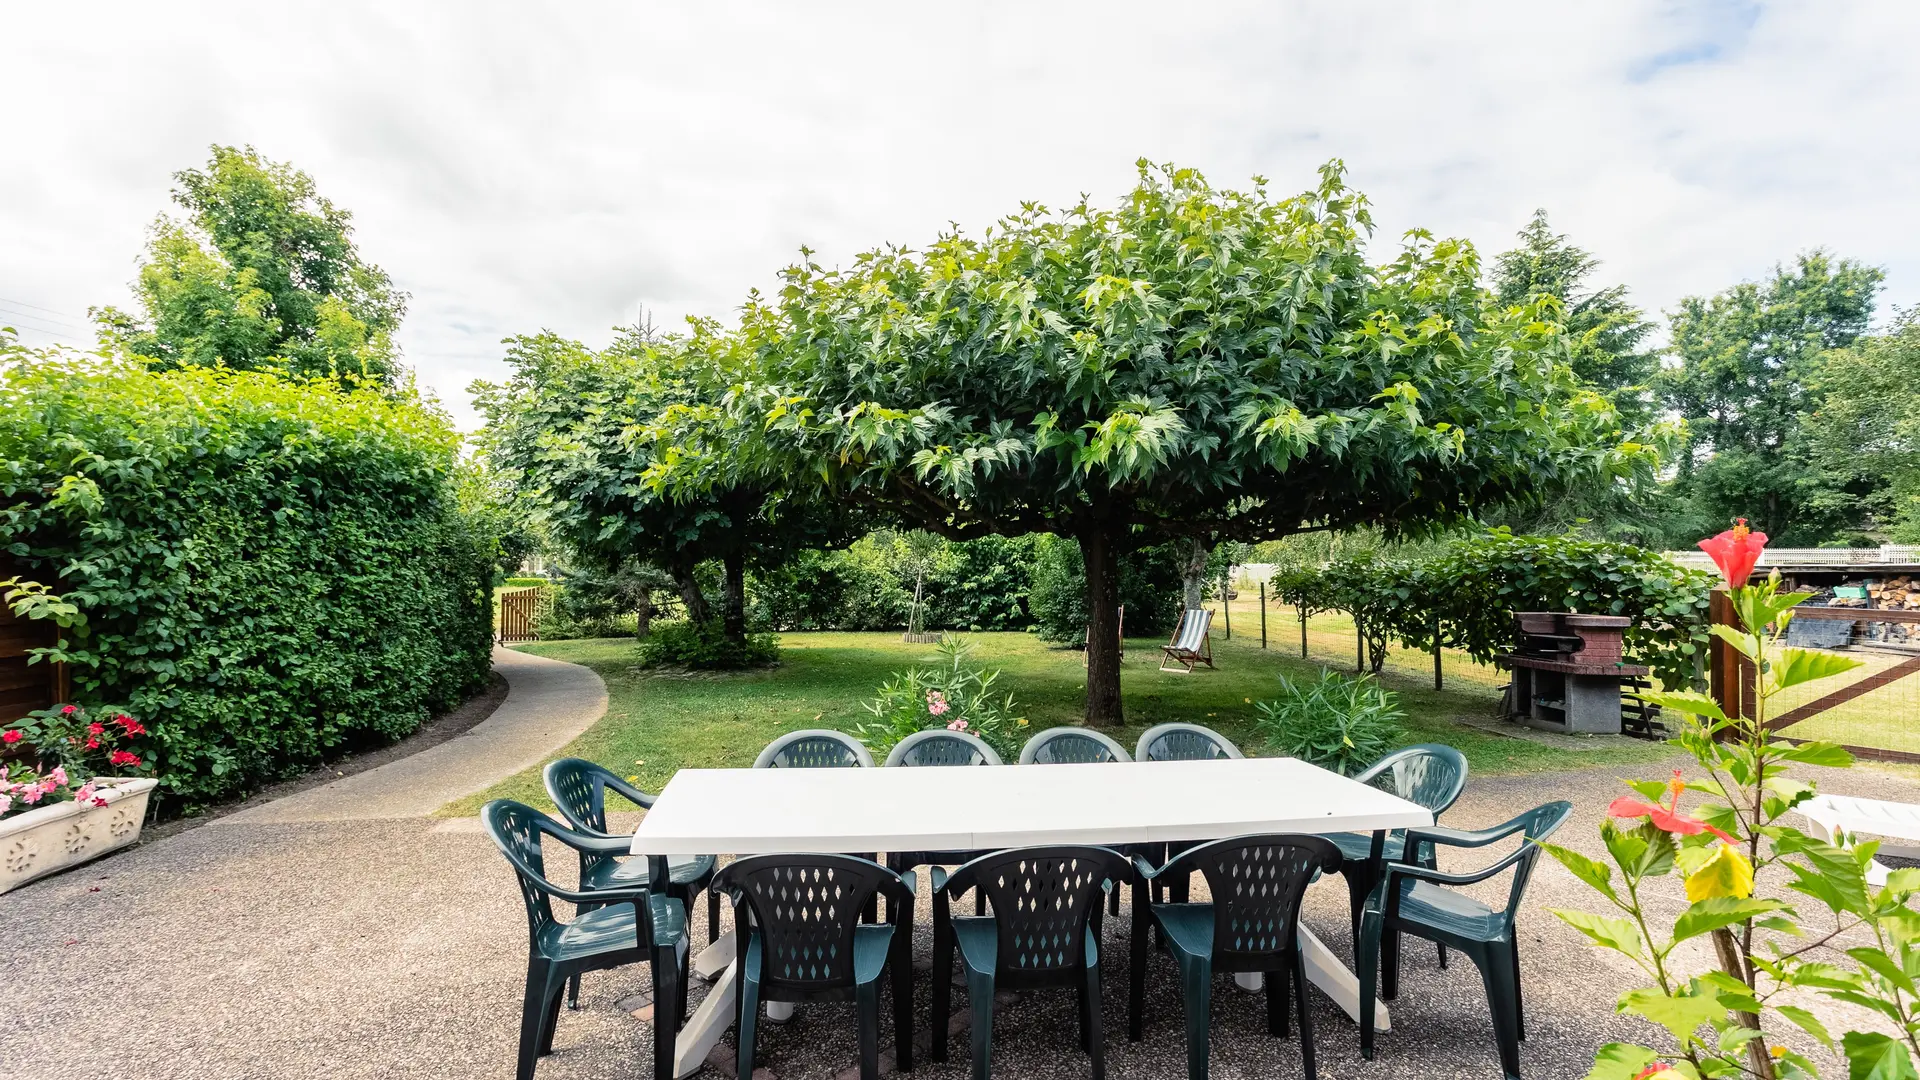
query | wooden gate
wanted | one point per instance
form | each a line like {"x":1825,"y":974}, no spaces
{"x":25,"y":687}
{"x":520,"y":615}
{"x":1731,"y":676}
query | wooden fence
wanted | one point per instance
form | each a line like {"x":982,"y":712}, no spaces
{"x":1731,"y":676}
{"x":25,"y":687}
{"x":520,"y":615}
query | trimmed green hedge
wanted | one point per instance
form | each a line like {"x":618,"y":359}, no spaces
{"x":272,"y":571}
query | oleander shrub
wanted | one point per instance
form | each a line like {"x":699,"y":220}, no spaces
{"x":273,"y":571}
{"x":954,"y":693}
{"x":1338,"y":723}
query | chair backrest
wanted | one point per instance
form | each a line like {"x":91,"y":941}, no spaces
{"x":1192,"y":631}
{"x":1538,"y":824}
{"x":939,"y":746}
{"x":578,"y":789}
{"x":1041,"y":899}
{"x":1071,"y":745}
{"x":815,"y":748}
{"x":516,"y":829}
{"x":1428,"y":774}
{"x":1183,"y":742}
{"x":805,"y":909}
{"x":1257,"y":883}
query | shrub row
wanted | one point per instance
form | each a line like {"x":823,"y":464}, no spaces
{"x":272,"y":571}
{"x":1465,"y":592}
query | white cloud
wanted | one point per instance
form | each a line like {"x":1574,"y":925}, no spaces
{"x":517,"y":167}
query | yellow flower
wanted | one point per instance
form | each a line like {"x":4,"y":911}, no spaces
{"x":1725,"y":873}
{"x":1777,"y":1051}
{"x":1022,"y":721}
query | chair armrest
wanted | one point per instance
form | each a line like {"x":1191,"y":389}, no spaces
{"x":1143,"y":869}
{"x":1462,"y":838}
{"x":1394,"y":870}
{"x":628,"y":895}
{"x":630,"y":793}
{"x":589,"y":844}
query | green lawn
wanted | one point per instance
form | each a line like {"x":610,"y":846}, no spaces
{"x":656,"y":724}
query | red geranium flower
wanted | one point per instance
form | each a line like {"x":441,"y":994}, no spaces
{"x":96,"y":728}
{"x":121,"y":757}
{"x":1735,"y":552}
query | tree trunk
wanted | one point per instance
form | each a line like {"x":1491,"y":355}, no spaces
{"x":643,"y":614}
{"x":1193,"y":576}
{"x":690,"y":595}
{"x":734,"y":610}
{"x":1103,"y":629}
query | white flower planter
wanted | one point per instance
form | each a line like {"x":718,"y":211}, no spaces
{"x":50,"y":838}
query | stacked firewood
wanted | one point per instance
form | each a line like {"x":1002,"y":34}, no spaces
{"x":1894,"y":592}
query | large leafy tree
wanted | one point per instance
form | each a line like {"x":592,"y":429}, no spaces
{"x":1863,"y":436}
{"x":259,"y":272}
{"x":582,"y":433}
{"x":1606,"y":332}
{"x":1191,"y":363}
{"x":1607,"y":346}
{"x":1748,"y":359}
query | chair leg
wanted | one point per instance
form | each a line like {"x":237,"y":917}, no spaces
{"x":979,"y":902}
{"x":980,"y":997}
{"x":533,"y":1013}
{"x":1196,"y":992}
{"x":713,"y":916}
{"x":1443,"y":955}
{"x":749,"y":1023}
{"x":1356,"y":897}
{"x":1278,"y":984}
{"x":551,"y":1020}
{"x":1096,"y":1034}
{"x":573,"y":993}
{"x":902,"y":964}
{"x":1496,"y":970}
{"x":1136,"y":971}
{"x":669,"y":1009}
{"x":1519,"y":1008}
{"x":1366,"y":971}
{"x":1113,"y":901}
{"x":1306,"y":1018}
{"x":1180,"y":889}
{"x":1390,"y":945}
{"x":1080,"y":1009}
{"x":868,"y":1006}
{"x":942,"y":990}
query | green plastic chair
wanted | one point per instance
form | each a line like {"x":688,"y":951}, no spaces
{"x":822,"y":748}
{"x":814,"y":748}
{"x":579,"y":789}
{"x":611,"y":928}
{"x":1044,"y":932}
{"x":804,"y":942}
{"x":1416,"y":900}
{"x":1426,"y":774}
{"x":1071,"y":746}
{"x":939,"y":748}
{"x":1178,"y":742}
{"x":1253,"y":924}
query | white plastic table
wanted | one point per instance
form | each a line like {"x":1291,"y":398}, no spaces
{"x":1833,"y":814}
{"x":763,"y":811}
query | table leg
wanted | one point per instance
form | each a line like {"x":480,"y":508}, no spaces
{"x":1325,"y":971}
{"x":710,"y":1021}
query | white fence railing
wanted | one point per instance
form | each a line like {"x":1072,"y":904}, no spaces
{"x":1882,"y":555}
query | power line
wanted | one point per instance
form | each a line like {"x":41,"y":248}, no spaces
{"x":42,"y":318}
{"x":36,"y":307}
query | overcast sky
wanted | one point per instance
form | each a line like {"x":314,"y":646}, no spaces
{"x":519,"y":166}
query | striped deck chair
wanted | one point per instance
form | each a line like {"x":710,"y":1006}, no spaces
{"x":1191,"y":642}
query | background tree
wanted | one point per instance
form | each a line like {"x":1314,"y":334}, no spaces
{"x":1746,"y":360}
{"x":1863,"y":435}
{"x":260,"y":273}
{"x":582,"y":431}
{"x":1192,"y":363}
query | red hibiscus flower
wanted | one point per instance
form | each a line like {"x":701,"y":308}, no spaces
{"x":121,"y":757}
{"x":1735,"y":552}
{"x":1665,"y":818}
{"x":11,"y":736}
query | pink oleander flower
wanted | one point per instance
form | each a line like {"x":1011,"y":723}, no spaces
{"x":957,"y":725}
{"x":937,"y":703}
{"x":6,"y":803}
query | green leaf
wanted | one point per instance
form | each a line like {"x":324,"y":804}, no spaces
{"x":1620,"y":935}
{"x":1796,"y":666}
{"x":1807,"y":1022}
{"x":1831,"y":755}
{"x":1873,"y":1056}
{"x":1716,"y":912}
{"x":1743,"y":643}
{"x":1685,"y":701}
{"x":1882,"y":965}
{"x":1620,"y":1061}
{"x":1680,"y":1014}
{"x":1592,"y":871}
